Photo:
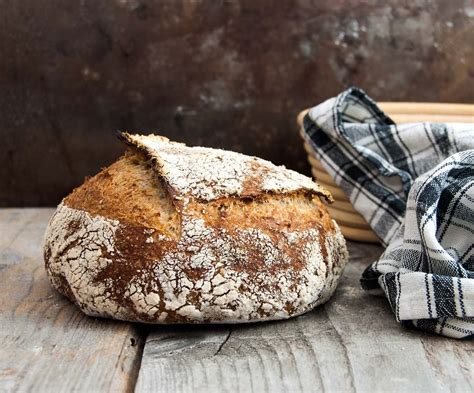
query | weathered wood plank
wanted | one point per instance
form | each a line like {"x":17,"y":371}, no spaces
{"x":452,"y":361}
{"x":21,"y":232}
{"x":46,"y":343}
{"x":383,"y":355}
{"x":351,"y":344}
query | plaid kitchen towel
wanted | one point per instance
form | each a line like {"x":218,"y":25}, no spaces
{"x":414,"y":184}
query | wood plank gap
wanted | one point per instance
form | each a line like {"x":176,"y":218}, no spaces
{"x":223,"y":342}
{"x":142,"y":332}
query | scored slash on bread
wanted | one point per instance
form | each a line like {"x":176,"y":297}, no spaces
{"x":176,"y":234}
{"x":207,"y":174}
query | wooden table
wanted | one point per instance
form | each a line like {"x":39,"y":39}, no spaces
{"x":350,"y":344}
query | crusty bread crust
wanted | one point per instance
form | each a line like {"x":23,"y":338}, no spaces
{"x":147,"y":240}
{"x":130,"y":191}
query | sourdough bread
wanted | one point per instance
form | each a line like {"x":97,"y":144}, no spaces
{"x":176,"y":234}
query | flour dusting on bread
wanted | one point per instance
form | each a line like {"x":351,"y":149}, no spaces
{"x":250,"y":241}
{"x":221,"y":292}
{"x":207,"y":174}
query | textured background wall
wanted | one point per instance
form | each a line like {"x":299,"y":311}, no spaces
{"x":229,"y":74}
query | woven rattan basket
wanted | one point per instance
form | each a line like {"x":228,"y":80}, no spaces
{"x":353,"y":225}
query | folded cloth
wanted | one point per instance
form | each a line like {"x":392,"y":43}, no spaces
{"x":414,"y":184}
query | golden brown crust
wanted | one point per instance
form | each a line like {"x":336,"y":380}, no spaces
{"x":128,"y":246}
{"x":129,"y":190}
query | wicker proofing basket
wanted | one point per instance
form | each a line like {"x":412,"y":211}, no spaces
{"x":353,"y":225}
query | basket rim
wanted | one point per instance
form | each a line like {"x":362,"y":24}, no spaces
{"x":418,"y":108}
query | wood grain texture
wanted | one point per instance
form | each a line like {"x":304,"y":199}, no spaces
{"x":351,"y":344}
{"x":46,"y":343}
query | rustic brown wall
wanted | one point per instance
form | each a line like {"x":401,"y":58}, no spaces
{"x":230,"y":74}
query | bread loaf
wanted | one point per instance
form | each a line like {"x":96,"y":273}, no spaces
{"x":178,"y":234}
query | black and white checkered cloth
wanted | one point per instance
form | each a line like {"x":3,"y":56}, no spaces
{"x":414,"y":184}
